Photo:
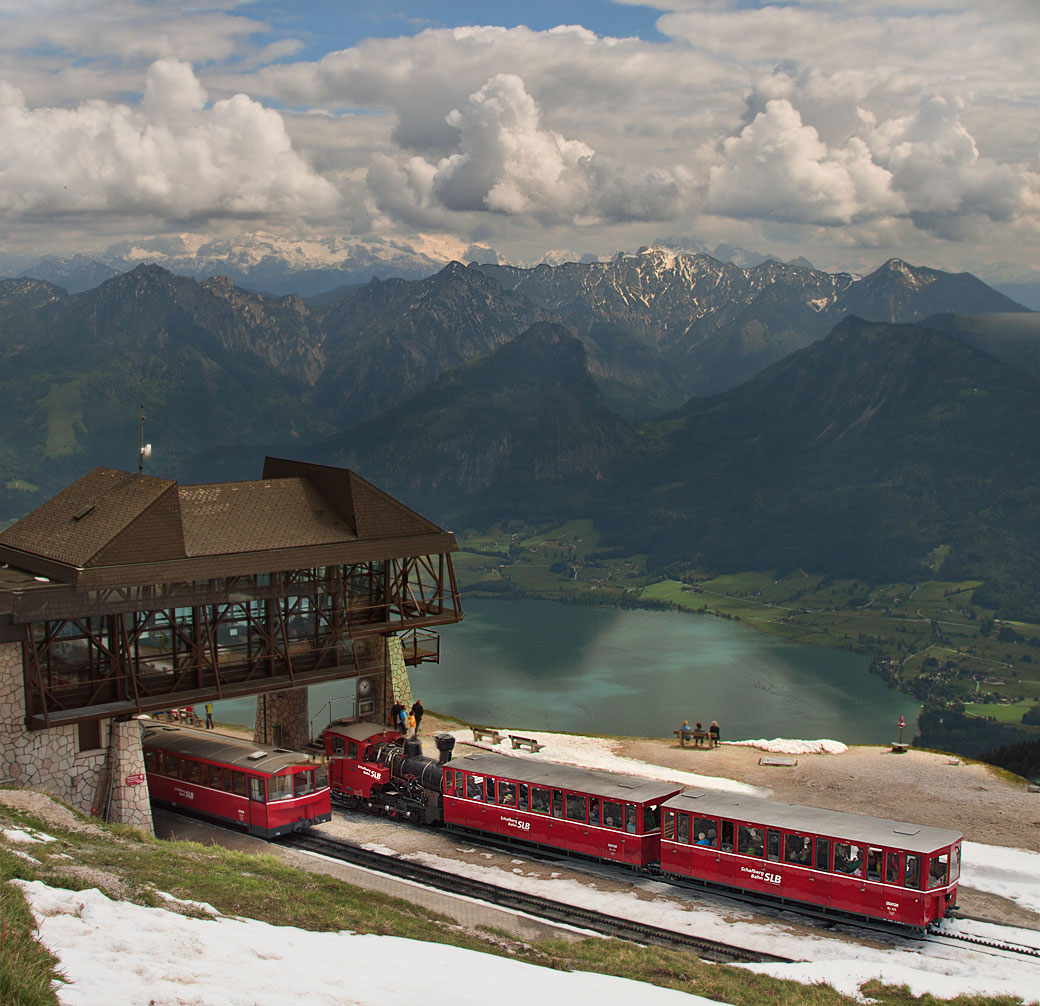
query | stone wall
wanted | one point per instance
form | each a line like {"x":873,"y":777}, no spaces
{"x":46,"y":760}
{"x":281,"y":719}
{"x":400,"y":686}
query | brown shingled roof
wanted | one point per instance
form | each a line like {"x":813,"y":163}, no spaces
{"x":115,"y":527}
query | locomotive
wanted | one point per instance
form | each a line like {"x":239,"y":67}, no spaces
{"x":850,"y":864}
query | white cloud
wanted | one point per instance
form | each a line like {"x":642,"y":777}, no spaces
{"x":507,"y":163}
{"x":171,"y":157}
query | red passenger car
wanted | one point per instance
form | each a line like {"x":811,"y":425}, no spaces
{"x":842,"y":862}
{"x":268,"y":791}
{"x":584,"y":811}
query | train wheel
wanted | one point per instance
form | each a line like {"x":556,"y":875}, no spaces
{"x":391,"y":810}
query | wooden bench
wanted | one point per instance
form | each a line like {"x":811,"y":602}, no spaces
{"x":700,"y":738}
{"x":525,"y":742}
{"x":482,"y":733}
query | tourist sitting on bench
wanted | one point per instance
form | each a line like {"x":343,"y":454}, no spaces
{"x":685,"y":732}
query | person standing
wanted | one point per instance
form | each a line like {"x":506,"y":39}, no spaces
{"x":209,"y":715}
{"x":417,"y":712}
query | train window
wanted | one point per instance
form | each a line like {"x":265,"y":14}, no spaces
{"x":151,"y":761}
{"x":446,"y":781}
{"x":216,"y":777}
{"x":507,"y":794}
{"x":955,"y":864}
{"x":611,"y":814}
{"x":773,"y":845}
{"x":593,"y":810}
{"x":352,"y":749}
{"x":797,"y":849}
{"x":873,"y":863}
{"x":557,"y":804}
{"x":279,"y":787}
{"x":707,"y":831}
{"x":684,"y":829}
{"x":651,"y":819}
{"x":668,"y":830}
{"x":521,"y":799}
{"x":321,"y":775}
{"x":539,"y":800}
{"x":939,"y":870}
{"x":912,"y":877}
{"x":823,"y":854}
{"x":238,"y":783}
{"x":256,"y":789}
{"x":193,"y":772}
{"x":174,"y":767}
{"x":338,"y":745}
{"x":460,"y":784}
{"x":891,"y":867}
{"x":303,"y":782}
{"x":475,"y":787}
{"x":749,"y":840}
{"x":727,"y":836}
{"x":630,"y":818}
{"x":848,"y":858}
{"x":489,"y":791}
{"x":576,"y":809}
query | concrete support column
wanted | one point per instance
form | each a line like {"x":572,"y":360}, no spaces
{"x":281,"y":719}
{"x":128,"y":803}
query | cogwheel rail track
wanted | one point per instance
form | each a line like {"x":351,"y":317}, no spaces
{"x":531,"y":904}
{"x":937,"y":936}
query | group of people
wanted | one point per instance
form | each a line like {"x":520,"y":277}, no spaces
{"x":407,"y":720}
{"x":689,"y":732}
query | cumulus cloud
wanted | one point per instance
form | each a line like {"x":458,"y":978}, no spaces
{"x":171,"y":157}
{"x":507,"y":163}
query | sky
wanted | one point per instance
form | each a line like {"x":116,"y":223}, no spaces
{"x":544,"y":129}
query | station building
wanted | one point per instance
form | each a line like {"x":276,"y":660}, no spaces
{"x":127,"y":594}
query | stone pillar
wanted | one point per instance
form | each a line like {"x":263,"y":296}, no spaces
{"x":47,"y":760}
{"x":281,"y":719}
{"x":400,"y":686}
{"x":128,"y":803}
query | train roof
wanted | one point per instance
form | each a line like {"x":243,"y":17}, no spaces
{"x":858,"y":828}
{"x":357,"y":731}
{"x":234,"y":751}
{"x":611,"y":785}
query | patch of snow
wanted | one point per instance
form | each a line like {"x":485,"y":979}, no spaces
{"x":26,"y":835}
{"x":1010,"y":873}
{"x":781,"y":745}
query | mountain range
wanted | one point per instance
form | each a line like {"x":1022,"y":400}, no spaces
{"x":703,"y":413}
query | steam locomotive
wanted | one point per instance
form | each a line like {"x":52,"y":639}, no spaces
{"x":848,"y":863}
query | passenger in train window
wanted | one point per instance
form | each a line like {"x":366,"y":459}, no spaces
{"x":684,"y":828}
{"x":593,"y":810}
{"x":912,"y":877}
{"x":557,"y":803}
{"x":576,"y":810}
{"x":795,"y":850}
{"x":522,"y":796}
{"x":611,"y":814}
{"x":873,"y":864}
{"x":750,"y":841}
{"x":773,"y":845}
{"x":706,"y":826}
{"x":507,"y":794}
{"x":630,"y":818}
{"x":539,"y":800}
{"x":475,"y":787}
{"x":938,"y":871}
{"x":848,"y":859}
{"x":727,"y":836}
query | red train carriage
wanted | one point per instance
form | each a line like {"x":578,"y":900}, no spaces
{"x":268,"y":791}
{"x":842,"y":862}
{"x":578,"y":810}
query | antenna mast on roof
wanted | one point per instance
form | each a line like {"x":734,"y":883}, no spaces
{"x":145,"y":450}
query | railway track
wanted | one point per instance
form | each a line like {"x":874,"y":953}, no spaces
{"x":937,"y":936}
{"x":531,"y":904}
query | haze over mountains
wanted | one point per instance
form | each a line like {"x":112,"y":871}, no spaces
{"x":703,"y":413}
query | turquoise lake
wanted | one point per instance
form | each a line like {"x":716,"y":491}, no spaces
{"x":543,"y":665}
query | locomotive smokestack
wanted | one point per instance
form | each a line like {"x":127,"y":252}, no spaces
{"x":445,"y":745}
